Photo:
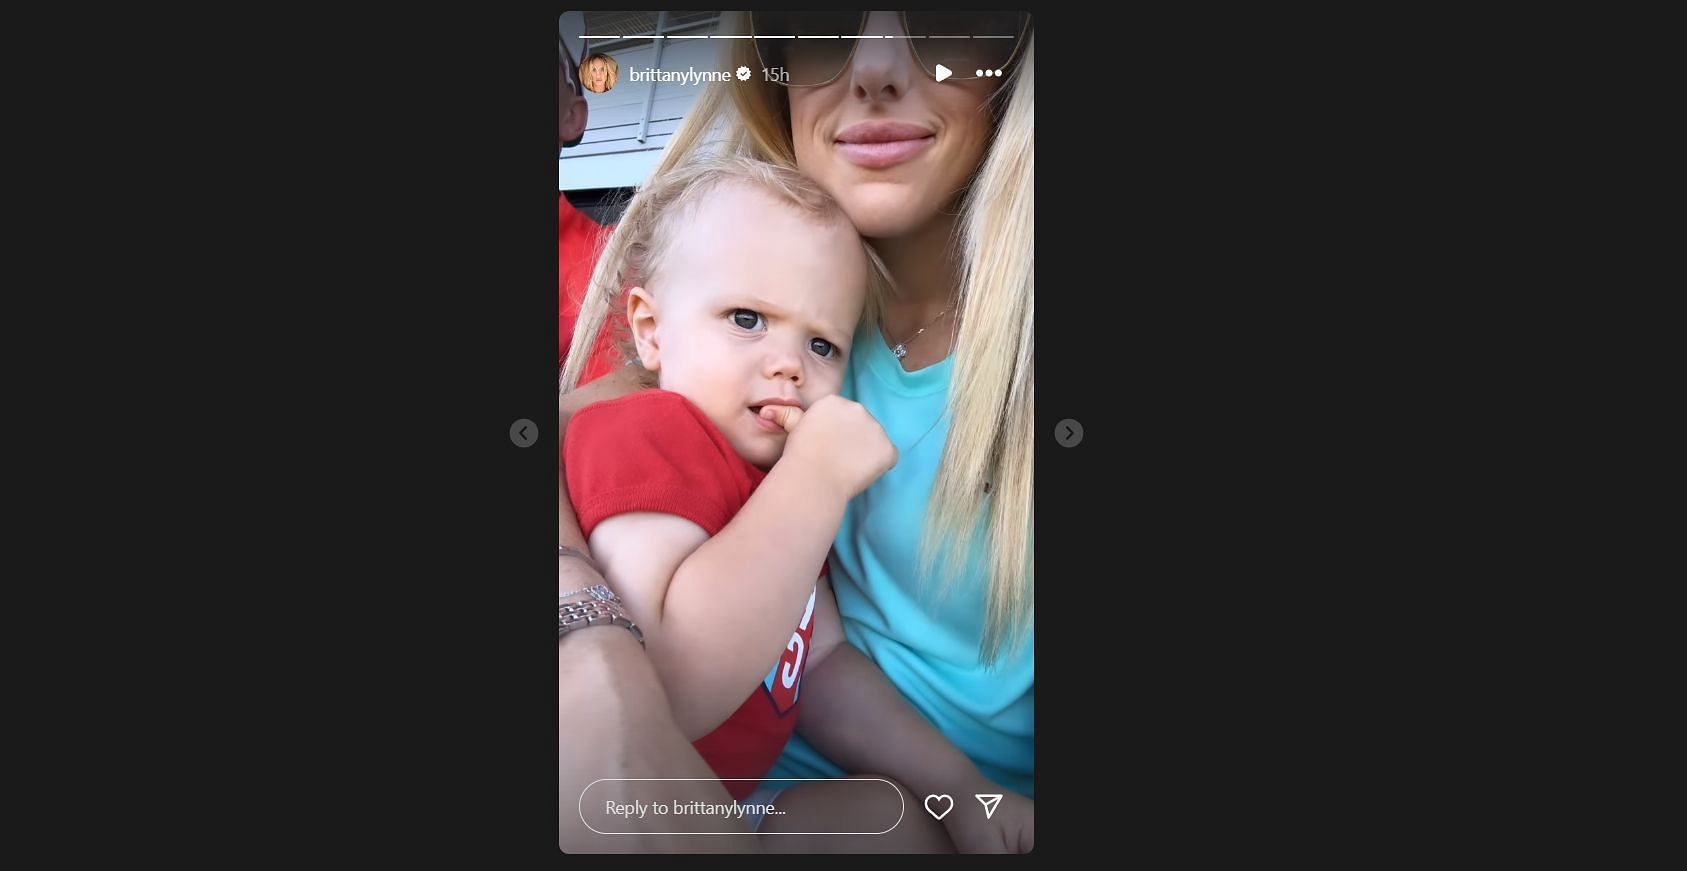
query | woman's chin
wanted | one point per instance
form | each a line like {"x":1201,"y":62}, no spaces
{"x":878,"y":213}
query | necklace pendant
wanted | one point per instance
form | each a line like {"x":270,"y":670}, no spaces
{"x":900,"y":351}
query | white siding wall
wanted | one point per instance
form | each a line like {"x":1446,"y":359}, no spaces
{"x":610,"y":154}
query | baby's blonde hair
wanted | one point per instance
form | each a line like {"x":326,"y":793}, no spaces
{"x":646,"y":232}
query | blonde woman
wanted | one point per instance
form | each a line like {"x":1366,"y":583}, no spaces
{"x":599,"y":73}
{"x":932,"y":567}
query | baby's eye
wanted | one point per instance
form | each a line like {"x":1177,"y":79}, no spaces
{"x":746,"y":319}
{"x":822,"y":347}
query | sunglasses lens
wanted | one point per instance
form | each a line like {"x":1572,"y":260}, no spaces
{"x":966,"y":42}
{"x":805,"y":61}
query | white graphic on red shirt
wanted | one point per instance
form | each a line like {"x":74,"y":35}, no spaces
{"x":785,"y":680}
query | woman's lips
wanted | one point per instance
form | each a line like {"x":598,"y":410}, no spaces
{"x":878,"y":155}
{"x":878,"y":144}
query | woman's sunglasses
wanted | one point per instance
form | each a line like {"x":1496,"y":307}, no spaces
{"x":814,"y":48}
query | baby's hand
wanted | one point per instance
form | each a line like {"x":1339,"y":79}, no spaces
{"x":839,"y":438}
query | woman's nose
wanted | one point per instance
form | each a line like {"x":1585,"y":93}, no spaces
{"x":881,"y":68}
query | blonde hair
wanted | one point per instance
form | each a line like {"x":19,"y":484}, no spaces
{"x":991,"y":401}
{"x":647,"y":231}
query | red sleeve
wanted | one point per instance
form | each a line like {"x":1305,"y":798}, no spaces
{"x":653,"y":451}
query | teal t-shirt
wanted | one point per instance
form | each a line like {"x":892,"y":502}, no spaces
{"x":925,"y":640}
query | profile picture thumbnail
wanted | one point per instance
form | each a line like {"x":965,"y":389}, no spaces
{"x":598,"y":72}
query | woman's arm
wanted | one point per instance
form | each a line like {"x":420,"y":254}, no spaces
{"x":615,"y":726}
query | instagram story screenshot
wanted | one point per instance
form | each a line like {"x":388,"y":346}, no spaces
{"x":797,"y":441}
{"x":796,"y":600}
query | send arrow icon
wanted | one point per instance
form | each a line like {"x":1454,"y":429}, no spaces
{"x":989,"y":801}
{"x":943,"y":72}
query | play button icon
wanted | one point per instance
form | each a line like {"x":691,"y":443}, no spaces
{"x":943,"y":72}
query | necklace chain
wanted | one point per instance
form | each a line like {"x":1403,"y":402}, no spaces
{"x":901,"y":349}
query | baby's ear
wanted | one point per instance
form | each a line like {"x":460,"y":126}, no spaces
{"x":641,"y":319}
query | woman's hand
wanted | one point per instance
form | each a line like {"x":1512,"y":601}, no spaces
{"x":839,"y":437}
{"x":1011,"y":829}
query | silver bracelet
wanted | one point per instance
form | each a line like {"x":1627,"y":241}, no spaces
{"x":598,"y":591}
{"x":594,"y":612}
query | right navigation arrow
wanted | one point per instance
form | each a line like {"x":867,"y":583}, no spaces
{"x":989,"y":801}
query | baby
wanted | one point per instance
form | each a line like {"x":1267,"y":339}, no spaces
{"x":712,"y":500}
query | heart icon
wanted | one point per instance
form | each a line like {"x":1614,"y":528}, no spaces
{"x":948,"y":805}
